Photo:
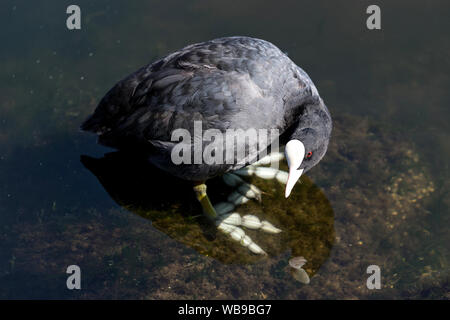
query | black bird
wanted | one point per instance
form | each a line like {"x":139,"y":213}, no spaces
{"x":223,"y":84}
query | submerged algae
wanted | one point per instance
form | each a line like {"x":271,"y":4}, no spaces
{"x":306,"y":218}
{"x":123,"y":257}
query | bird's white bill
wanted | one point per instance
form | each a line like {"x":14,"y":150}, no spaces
{"x":294,"y":175}
{"x":295,"y":152}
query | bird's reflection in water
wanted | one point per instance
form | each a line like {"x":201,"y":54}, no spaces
{"x":306,"y":218}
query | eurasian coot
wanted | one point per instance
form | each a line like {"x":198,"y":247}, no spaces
{"x":233,"y":84}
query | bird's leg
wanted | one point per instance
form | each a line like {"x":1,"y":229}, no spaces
{"x":231,"y":223}
{"x":227,"y":225}
{"x":202,"y":197}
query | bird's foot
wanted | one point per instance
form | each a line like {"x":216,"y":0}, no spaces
{"x":267,"y":173}
{"x":231,"y":224}
{"x":269,"y":159}
{"x":244,"y":191}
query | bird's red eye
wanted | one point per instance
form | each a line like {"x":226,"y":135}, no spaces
{"x":309,"y":154}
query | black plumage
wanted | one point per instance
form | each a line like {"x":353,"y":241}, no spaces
{"x":227,"y":83}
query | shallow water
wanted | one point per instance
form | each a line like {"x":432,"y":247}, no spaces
{"x":380,"y":195}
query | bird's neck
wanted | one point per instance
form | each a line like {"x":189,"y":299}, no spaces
{"x":312,"y":116}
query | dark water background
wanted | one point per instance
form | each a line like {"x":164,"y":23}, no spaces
{"x":386,"y":174}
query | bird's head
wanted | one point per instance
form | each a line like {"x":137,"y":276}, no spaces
{"x":308,"y":143}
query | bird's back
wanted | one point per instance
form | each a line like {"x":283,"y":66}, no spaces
{"x":227,"y":83}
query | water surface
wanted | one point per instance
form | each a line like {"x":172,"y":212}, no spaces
{"x":382,"y":189}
